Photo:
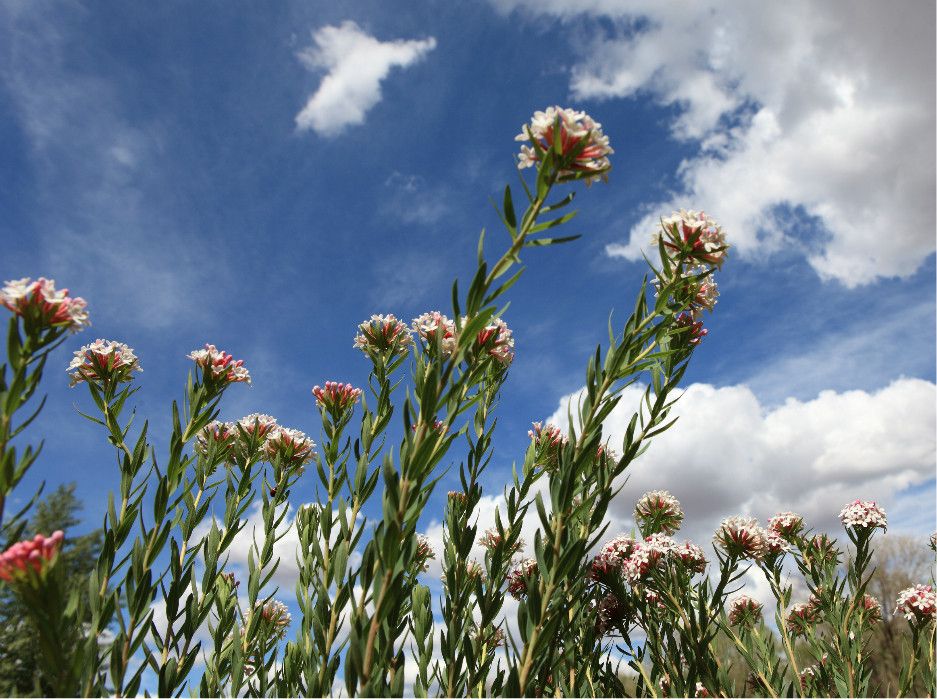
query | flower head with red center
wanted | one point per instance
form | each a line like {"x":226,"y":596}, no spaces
{"x":741,"y":537}
{"x":103,"y":362}
{"x":647,"y":556}
{"x":39,"y":303}
{"x":492,"y":541}
{"x":918,"y":604}
{"x":744,"y":611}
{"x":496,"y":340}
{"x":863,"y":515}
{"x":801,"y":617}
{"x":518,"y":578}
{"x":383,"y":334}
{"x":291,"y":447}
{"x":658,"y":511}
{"x":29,"y":561}
{"x":437,"y":331}
{"x":612,"y":556}
{"x":692,"y":235}
{"x":337,"y":399}
{"x":580,"y":147}
{"x":691,"y":556}
{"x":547,"y":440}
{"x":786,"y":524}
{"x":216,"y":440}
{"x":218,"y":367}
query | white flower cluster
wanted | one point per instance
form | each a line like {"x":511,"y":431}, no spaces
{"x":383,"y":332}
{"x":574,"y":128}
{"x":692,"y":230}
{"x":435,"y":327}
{"x":863,"y":514}
{"x":219,"y":365}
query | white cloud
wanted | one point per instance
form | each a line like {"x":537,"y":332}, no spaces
{"x":828,"y":106}
{"x":728,"y":454}
{"x":356,"y":63}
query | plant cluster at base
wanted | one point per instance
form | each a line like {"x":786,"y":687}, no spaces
{"x":561,"y":615}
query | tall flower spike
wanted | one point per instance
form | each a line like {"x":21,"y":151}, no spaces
{"x":383,"y":333}
{"x":218,"y":367}
{"x":578,"y":140}
{"x":103,"y":362}
{"x":39,"y":302}
{"x":29,"y":561}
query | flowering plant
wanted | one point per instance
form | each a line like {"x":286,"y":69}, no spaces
{"x":366,"y":621}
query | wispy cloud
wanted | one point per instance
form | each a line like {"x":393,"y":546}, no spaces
{"x":356,"y":64}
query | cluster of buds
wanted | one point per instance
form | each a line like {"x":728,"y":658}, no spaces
{"x":383,"y":335}
{"x":606,"y":456}
{"x":439,"y":427}
{"x":611,"y":613}
{"x":692,"y":235}
{"x":612,"y":555}
{"x":103,"y":363}
{"x":658,"y":511}
{"x":691,"y":329}
{"x":547,"y":440}
{"x":863,"y":516}
{"x":493,"y":541}
{"x":787,"y":525}
{"x":741,"y":537}
{"x":918,"y":604}
{"x":42,"y":306}
{"x":337,"y":399}
{"x":518,"y":578}
{"x":496,"y":340}
{"x":275,"y":619}
{"x":490,"y":638}
{"x":745,"y":611}
{"x":802,"y":617}
{"x":219,"y":368}
{"x":437,"y":331}
{"x":29,"y":561}
{"x":424,"y":552}
{"x":577,"y":142}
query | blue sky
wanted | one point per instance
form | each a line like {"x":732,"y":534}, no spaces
{"x":151,"y":161}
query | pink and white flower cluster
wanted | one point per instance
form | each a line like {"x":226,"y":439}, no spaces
{"x":27,"y":561}
{"x":229,"y":440}
{"x":517,"y":579}
{"x":424,"y":552}
{"x":219,"y":367}
{"x":647,"y":556}
{"x":276,"y":618}
{"x":786,"y":524}
{"x":660,"y":511}
{"x":336,"y":398}
{"x":582,"y":147}
{"x":742,"y":537}
{"x":436,"y":329}
{"x":547,"y":440}
{"x":863,"y":515}
{"x":497,"y":340}
{"x":744,"y":611}
{"x":613,"y":554}
{"x":492,"y":541}
{"x":918,"y":604}
{"x":383,"y":333}
{"x":39,"y":301}
{"x":692,"y":235}
{"x":104,"y":362}
{"x":801,"y":617}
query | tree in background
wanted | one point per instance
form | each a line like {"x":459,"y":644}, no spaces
{"x":900,"y":561}
{"x":20,"y":655}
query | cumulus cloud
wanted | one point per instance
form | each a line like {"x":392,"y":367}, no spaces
{"x":356,"y":64}
{"x":824,"y":107}
{"x":728,"y":454}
